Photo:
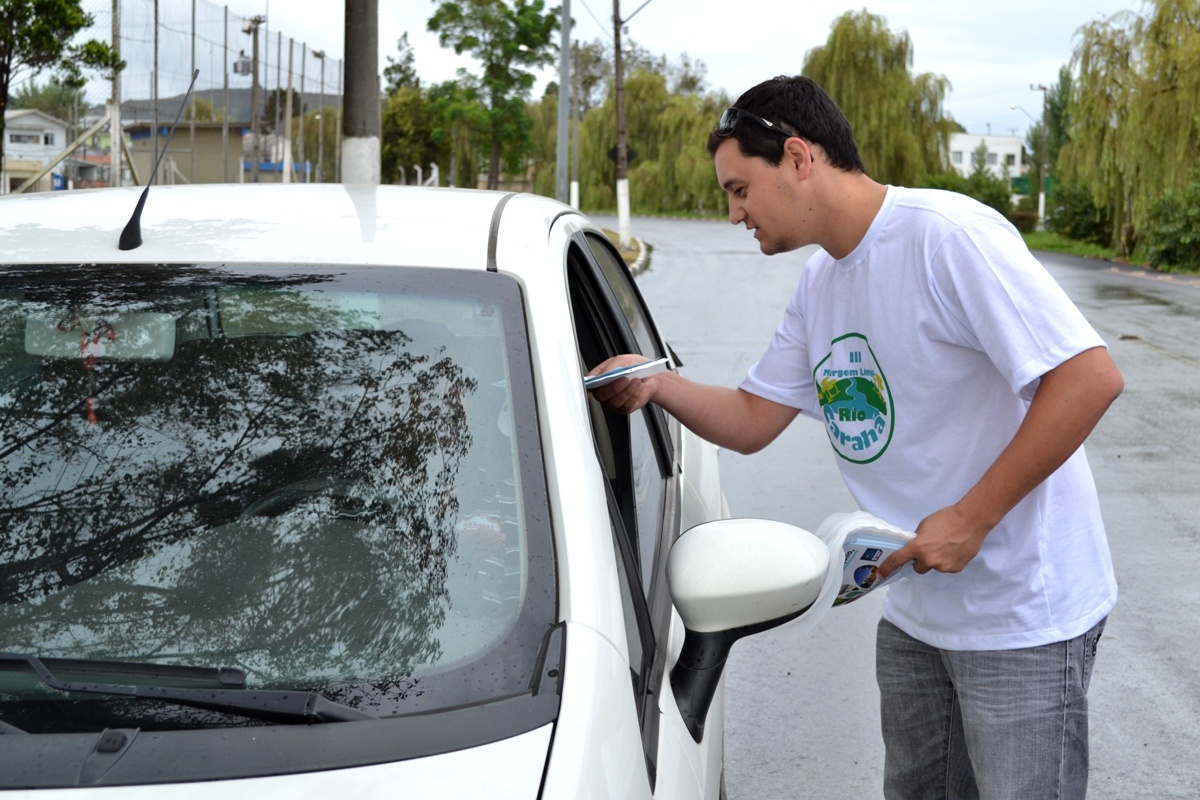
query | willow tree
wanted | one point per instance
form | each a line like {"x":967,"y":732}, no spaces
{"x":1135,"y":130}
{"x":897,"y":117}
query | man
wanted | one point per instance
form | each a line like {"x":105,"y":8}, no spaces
{"x":957,"y":383}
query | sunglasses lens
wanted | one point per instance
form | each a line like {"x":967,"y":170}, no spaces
{"x":728,"y":122}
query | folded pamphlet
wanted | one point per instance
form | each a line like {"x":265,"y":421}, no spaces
{"x":864,"y":542}
{"x":858,"y":543}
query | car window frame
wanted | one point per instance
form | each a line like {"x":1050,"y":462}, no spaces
{"x":653,"y":604}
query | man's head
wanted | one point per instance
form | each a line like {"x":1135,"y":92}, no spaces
{"x":797,"y":106}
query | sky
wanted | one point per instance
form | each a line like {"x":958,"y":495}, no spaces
{"x":990,"y":53}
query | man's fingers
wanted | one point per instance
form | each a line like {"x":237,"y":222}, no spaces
{"x":897,"y":560}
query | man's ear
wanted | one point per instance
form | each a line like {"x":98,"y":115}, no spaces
{"x":798,"y":155}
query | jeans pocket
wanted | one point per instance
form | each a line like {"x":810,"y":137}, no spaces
{"x":1091,"y":641}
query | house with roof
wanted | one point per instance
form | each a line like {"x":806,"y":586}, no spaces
{"x":32,"y":139}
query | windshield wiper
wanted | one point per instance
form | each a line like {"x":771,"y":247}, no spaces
{"x":270,"y":705}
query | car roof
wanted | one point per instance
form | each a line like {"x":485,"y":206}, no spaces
{"x":271,"y":223}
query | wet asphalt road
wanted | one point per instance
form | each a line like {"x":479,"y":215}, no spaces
{"x":802,"y":716}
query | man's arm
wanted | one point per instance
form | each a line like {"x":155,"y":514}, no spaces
{"x":1069,"y":401}
{"x":730,"y":418}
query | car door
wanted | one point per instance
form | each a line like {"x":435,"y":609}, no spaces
{"x":641,"y":459}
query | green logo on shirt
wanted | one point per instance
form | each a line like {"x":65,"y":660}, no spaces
{"x":856,"y":399}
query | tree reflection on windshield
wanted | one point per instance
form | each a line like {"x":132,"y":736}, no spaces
{"x":280,"y":492}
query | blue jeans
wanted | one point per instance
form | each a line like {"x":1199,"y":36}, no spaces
{"x":994,"y":724}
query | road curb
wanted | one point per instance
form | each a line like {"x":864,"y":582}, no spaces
{"x":642,"y":262}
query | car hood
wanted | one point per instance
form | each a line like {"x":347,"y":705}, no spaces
{"x":510,"y":769}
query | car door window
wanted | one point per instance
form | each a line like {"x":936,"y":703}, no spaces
{"x":636,"y":461}
{"x":627,"y":295}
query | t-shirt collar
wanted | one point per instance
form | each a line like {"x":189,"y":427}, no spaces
{"x":856,"y":255}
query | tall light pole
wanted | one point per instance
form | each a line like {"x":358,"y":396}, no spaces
{"x":1041,"y":164}
{"x":320,"y":56}
{"x":251,"y":26}
{"x":1038,"y":87}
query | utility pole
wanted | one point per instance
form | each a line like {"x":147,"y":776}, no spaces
{"x":251,"y":26}
{"x":225,"y":101}
{"x":192,"y":121}
{"x":360,"y":118}
{"x":303,"y":63}
{"x":622,"y":150}
{"x":154,"y":97}
{"x":116,"y":132}
{"x":320,"y":56}
{"x":287,"y":117}
{"x":564,"y":106}
{"x":622,"y":161}
{"x":1044,"y":166}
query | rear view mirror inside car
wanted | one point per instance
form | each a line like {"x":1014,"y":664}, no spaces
{"x":120,"y":336}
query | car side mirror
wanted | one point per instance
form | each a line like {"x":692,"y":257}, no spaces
{"x":730,"y":579}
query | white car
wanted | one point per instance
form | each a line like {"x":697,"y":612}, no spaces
{"x":304,"y":495}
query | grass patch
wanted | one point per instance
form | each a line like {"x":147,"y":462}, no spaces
{"x":1055,"y":243}
{"x":630,"y":254}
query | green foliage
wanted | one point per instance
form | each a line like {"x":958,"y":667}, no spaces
{"x":897,"y":117}
{"x":981,"y":185}
{"x":1071,"y":212}
{"x":1134,"y":126}
{"x":320,"y":141}
{"x":37,"y":35}
{"x":53,"y":97}
{"x":509,"y":40}
{"x":201,"y":109}
{"x":401,"y":72}
{"x":1171,"y":234}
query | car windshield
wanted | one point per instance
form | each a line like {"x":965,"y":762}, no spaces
{"x":320,"y":478}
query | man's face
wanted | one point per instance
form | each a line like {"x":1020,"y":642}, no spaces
{"x":763,"y":197}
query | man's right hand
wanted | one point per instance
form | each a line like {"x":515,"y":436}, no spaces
{"x":625,"y":395}
{"x":726,"y":417}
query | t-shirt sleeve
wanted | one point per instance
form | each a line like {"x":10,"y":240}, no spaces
{"x":782,"y":375}
{"x":1003,"y":302}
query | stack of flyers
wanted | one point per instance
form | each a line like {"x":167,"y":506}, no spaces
{"x":865,"y":541}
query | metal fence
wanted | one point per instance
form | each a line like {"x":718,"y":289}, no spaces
{"x":164,"y":41}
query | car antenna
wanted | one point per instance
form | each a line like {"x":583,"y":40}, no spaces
{"x":131,"y":237}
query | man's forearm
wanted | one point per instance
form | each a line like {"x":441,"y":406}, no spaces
{"x":730,"y":418}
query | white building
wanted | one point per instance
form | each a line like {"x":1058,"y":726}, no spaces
{"x":1002,"y":151}
{"x":31,"y":139}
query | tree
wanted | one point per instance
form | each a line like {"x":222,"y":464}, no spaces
{"x":509,"y":39}
{"x":53,"y":97}
{"x":1134,"y":130}
{"x":202,"y":110}
{"x":401,"y":72}
{"x":897,"y":117}
{"x":37,"y":35}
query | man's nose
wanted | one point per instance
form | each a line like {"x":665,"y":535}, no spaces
{"x":736,"y":212}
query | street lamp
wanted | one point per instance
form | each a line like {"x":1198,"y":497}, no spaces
{"x":1043,"y":167}
{"x":320,"y":56}
{"x":250,"y":26}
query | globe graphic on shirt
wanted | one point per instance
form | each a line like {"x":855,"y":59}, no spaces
{"x":855,"y":399}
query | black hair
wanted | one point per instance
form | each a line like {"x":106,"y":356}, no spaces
{"x":799,"y":105}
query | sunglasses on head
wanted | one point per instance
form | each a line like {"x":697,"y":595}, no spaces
{"x":730,"y":117}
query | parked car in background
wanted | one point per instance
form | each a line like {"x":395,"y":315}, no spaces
{"x":305,"y":495}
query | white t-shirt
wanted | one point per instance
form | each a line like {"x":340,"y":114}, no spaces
{"x":919,"y":352}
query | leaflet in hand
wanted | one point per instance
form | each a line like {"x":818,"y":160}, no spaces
{"x":643,"y":370}
{"x":864,"y":541}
